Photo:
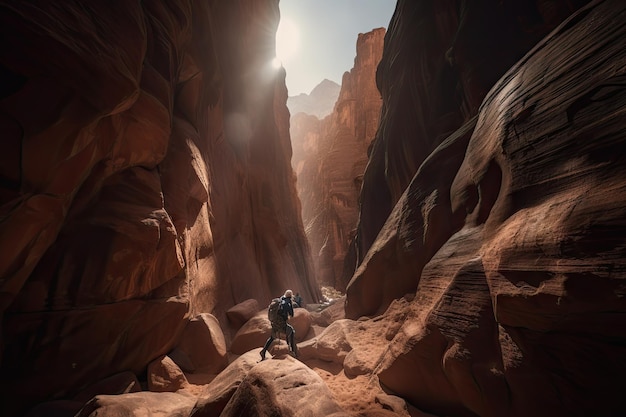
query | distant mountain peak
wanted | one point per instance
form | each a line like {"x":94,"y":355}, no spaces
{"x":324,"y":85}
{"x":320,"y":102}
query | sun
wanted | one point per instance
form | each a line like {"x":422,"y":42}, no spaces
{"x":287,"y":41}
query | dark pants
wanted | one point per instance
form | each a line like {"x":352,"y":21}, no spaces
{"x":289,"y":331}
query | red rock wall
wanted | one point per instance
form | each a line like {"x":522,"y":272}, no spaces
{"x":145,"y":178}
{"x":440,"y":60}
{"x":330,"y":157}
{"x":509,"y":238}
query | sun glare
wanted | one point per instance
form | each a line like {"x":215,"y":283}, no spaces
{"x":287,"y":41}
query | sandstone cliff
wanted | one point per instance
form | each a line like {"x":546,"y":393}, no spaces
{"x":146,"y":179}
{"x":440,"y":61}
{"x":500,"y":210}
{"x":330,"y":157}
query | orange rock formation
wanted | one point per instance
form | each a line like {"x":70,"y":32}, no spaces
{"x":330,"y":157}
{"x":146,"y":179}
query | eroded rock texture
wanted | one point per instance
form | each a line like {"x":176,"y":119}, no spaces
{"x":330,"y":157}
{"x":145,"y":178}
{"x":440,"y":60}
{"x":511,"y":233}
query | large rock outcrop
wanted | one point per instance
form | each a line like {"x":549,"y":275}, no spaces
{"x":330,"y":157}
{"x":510,"y":234}
{"x":440,"y":60}
{"x":145,"y":179}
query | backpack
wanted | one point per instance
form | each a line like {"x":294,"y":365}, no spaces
{"x":272,"y":310}
{"x":276,"y":309}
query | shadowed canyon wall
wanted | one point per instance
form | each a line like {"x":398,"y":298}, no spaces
{"x":440,"y":60}
{"x":145,"y":178}
{"x":329,"y":158}
{"x":493,"y":201}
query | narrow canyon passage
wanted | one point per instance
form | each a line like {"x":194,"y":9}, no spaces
{"x":453,"y":220}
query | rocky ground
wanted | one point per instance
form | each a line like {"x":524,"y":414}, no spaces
{"x":343,"y":355}
{"x":334,"y":373}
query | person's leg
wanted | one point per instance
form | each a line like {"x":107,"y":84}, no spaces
{"x":291,"y":339}
{"x":268,"y":343}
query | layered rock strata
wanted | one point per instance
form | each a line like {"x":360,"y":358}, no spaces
{"x":510,"y":236}
{"x":440,"y":60}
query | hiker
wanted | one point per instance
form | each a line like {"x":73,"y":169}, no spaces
{"x":298,"y":300}
{"x":283,"y":310}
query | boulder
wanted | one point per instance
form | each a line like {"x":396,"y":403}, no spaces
{"x":121,"y":383}
{"x":282,"y":387}
{"x":301,"y":322}
{"x":240,"y":313}
{"x":165,"y":376}
{"x":202,"y":346}
{"x":139,"y":404}
{"x":218,"y":392}
{"x":251,"y":335}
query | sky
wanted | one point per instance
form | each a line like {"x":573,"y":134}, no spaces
{"x":316,"y":39}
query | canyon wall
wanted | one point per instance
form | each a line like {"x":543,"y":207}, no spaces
{"x":329,"y":158}
{"x":145,"y":178}
{"x":440,"y":60}
{"x":493,"y":205}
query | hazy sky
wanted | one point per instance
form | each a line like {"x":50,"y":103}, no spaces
{"x":317,"y":38}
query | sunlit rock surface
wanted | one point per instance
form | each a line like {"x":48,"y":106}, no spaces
{"x":330,"y":157}
{"x":440,"y":60}
{"x":145,"y":179}
{"x":438,"y":64}
{"x":511,"y":235}
{"x":139,"y":404}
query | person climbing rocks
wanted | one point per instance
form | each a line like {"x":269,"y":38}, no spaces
{"x":279,"y":311}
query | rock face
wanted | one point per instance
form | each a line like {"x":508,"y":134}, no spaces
{"x":282,"y":388}
{"x":330,"y":157}
{"x":439,"y":62}
{"x":319,"y":103}
{"x":508,"y":228}
{"x":145,"y":178}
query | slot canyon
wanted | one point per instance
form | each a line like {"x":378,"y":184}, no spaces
{"x":464,"y":201}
